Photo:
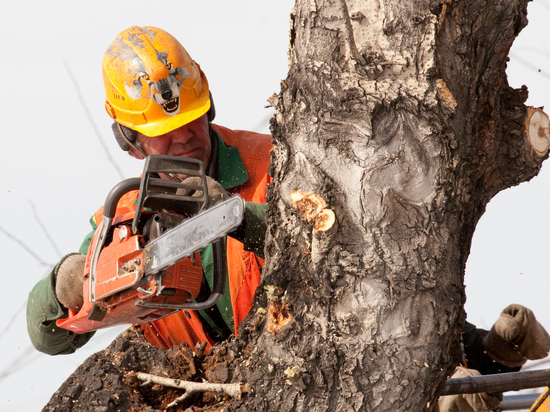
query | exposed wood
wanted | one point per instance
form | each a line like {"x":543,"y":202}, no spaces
{"x":538,"y":130}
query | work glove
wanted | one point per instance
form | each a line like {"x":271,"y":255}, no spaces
{"x":69,"y":281}
{"x":516,"y":337}
{"x":468,"y":402}
{"x":216,"y":192}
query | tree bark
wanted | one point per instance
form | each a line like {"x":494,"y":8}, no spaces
{"x":399,"y":115}
{"x":397,"y":122}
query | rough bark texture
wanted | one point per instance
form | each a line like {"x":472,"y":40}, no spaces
{"x":398,"y":114}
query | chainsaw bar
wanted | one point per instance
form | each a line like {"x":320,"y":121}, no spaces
{"x":192,"y":235}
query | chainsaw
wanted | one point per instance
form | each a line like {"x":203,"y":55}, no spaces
{"x":143,"y":263}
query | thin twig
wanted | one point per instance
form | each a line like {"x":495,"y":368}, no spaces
{"x":91,"y":120}
{"x":24,"y":246}
{"x":231,"y":389}
{"x":17,"y":313}
{"x":45,"y":231}
{"x":528,"y":65}
{"x":27,"y":357}
{"x":262,"y":124}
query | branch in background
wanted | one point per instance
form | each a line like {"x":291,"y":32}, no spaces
{"x":264,"y":122}
{"x":231,"y":389}
{"x":91,"y":120}
{"x":24,"y":246}
{"x":27,"y":357}
{"x":45,"y":231}
{"x":20,"y":310}
{"x":529,"y":65}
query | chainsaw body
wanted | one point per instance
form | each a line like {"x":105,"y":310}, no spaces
{"x":144,"y":264}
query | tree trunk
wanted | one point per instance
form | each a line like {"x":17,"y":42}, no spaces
{"x":398,"y":118}
{"x":399,"y":115}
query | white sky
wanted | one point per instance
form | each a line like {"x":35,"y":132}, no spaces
{"x":56,"y":173}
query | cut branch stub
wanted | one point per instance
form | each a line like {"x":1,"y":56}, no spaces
{"x":538,"y":130}
{"x":313,"y":207}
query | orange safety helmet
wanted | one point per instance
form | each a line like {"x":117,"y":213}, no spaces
{"x":151,"y":83}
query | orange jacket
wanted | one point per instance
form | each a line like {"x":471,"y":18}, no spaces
{"x":244,"y":267}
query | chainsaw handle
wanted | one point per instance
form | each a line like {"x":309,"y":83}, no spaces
{"x":109,"y":208}
{"x":109,"y":211}
{"x":127,"y":185}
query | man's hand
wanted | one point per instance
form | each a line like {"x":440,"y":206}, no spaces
{"x":216,"y":192}
{"x":468,"y":402}
{"x":69,"y":282}
{"x":516,"y":337}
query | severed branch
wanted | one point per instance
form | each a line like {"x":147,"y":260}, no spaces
{"x":231,"y":389}
{"x":537,"y":124}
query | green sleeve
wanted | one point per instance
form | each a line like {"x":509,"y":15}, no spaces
{"x":88,"y":239}
{"x":43,"y":309}
{"x":254,"y":238}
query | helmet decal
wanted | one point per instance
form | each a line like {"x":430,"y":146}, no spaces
{"x":164,"y":91}
{"x":152,"y":85}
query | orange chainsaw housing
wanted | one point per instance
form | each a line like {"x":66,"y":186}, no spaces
{"x":122,"y":285}
{"x":122,"y":290}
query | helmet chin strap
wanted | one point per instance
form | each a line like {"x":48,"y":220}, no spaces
{"x":137,"y":149}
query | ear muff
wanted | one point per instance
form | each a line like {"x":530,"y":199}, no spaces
{"x":124,"y":136}
{"x":212,"y":111}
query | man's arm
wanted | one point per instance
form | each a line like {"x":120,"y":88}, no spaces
{"x":476,"y":353}
{"x":514,"y":338}
{"x":43,"y":309}
{"x":252,"y":230}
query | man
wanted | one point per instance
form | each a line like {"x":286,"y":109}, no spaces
{"x":161,"y":104}
{"x":515,"y":337}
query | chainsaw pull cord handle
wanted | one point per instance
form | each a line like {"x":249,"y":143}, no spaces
{"x":109,"y":210}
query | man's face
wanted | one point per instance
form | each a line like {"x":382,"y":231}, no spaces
{"x":190,"y":140}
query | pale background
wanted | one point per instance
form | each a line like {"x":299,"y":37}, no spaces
{"x":55,"y":171}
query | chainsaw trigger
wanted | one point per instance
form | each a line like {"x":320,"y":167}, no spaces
{"x":144,"y":292}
